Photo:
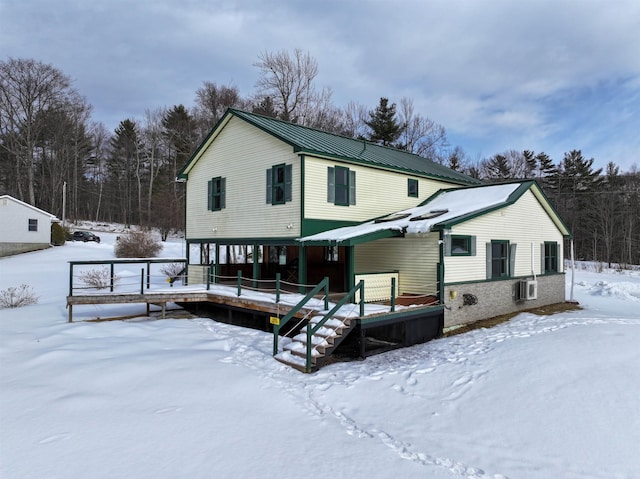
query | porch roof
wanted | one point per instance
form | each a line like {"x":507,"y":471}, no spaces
{"x":441,"y":211}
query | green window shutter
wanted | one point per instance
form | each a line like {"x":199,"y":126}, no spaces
{"x":210,"y":195}
{"x":331,"y":184}
{"x":447,"y":244}
{"x":352,"y":187}
{"x":288,"y":180}
{"x":269,"y":180}
{"x":489,"y":261}
{"x":512,"y":260}
{"x":472,"y":245}
{"x":223,"y":189}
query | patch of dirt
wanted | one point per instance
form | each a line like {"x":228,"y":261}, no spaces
{"x":490,"y":322}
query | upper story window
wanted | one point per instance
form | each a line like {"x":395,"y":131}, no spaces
{"x":33,"y":224}
{"x":550,"y":257}
{"x":216,"y":193}
{"x":341,"y":186}
{"x":412,"y":188}
{"x":279,"y":184}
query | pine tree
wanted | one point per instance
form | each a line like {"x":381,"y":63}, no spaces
{"x":385,"y":129}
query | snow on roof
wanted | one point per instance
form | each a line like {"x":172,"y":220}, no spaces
{"x":448,"y":205}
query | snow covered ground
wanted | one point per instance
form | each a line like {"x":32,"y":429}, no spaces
{"x":537,"y":397}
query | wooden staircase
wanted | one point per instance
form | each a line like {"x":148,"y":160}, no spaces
{"x":323,"y":342}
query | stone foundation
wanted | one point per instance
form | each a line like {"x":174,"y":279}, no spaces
{"x":469,"y":302}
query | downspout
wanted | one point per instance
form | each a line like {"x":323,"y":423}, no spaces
{"x":533,"y":271}
{"x":573,"y":269}
{"x":441,"y":269}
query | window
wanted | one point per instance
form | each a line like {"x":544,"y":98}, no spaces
{"x":279,"y":184}
{"x":341,"y":186}
{"x":216,"y":193}
{"x":331,"y":254}
{"x":462,"y":245}
{"x":550,"y":257}
{"x":412,"y":188}
{"x":33,"y":225}
{"x":498,"y":259}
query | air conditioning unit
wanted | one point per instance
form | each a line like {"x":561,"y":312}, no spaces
{"x":528,"y":289}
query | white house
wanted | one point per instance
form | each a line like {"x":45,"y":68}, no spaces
{"x":23,"y":227}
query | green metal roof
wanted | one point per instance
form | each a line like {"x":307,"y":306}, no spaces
{"x":316,"y":142}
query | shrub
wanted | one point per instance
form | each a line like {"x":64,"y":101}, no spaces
{"x":99,"y":278}
{"x":171,"y":270}
{"x":137,"y":244}
{"x":15,"y":297}
{"x":58,"y":234}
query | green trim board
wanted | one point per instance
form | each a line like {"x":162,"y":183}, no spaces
{"x":312,"y":226}
{"x":511,"y":278}
{"x":356,"y":240}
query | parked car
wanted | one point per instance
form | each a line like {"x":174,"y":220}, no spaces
{"x":85,"y":236}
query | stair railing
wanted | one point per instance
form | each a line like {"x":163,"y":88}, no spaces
{"x":311,"y":331}
{"x":322,"y":285}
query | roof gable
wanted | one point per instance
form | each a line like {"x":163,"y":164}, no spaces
{"x":28,"y":206}
{"x":324,"y":144}
{"x":443,"y":210}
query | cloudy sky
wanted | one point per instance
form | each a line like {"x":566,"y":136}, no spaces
{"x":542,"y":75}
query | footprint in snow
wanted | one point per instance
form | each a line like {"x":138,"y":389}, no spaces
{"x":55,"y":438}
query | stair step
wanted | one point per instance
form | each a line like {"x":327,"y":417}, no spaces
{"x":315,"y":340}
{"x":289,"y":359}
{"x":332,"y":323}
{"x":324,"y":332}
{"x":298,"y":348}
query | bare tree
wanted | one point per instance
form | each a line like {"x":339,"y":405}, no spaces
{"x":212,"y":101}
{"x":154,"y":151}
{"x":28,"y":91}
{"x":287,"y":80}
{"x":355,"y":117}
{"x":420,"y":135}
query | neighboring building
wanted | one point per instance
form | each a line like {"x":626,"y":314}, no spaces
{"x":300,"y":202}
{"x":23,"y":227}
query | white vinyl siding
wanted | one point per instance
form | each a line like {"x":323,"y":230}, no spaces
{"x":378,"y":191}
{"x":524,"y":224}
{"x":242,"y":154}
{"x":24,"y":223}
{"x":415,"y":259}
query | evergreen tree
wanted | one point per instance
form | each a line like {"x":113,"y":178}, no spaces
{"x":385,"y":129}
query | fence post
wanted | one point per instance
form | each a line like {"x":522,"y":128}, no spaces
{"x":111,"y":280}
{"x":239,"y":282}
{"x":208,"y":277}
{"x":148,"y":274}
{"x":141,"y":280}
{"x":70,"y":279}
{"x":277,"y":287}
{"x":326,"y":293}
{"x":393,"y":294}
{"x":361,"y":286}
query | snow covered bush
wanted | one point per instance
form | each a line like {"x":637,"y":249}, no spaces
{"x":15,"y":297}
{"x":99,"y":278}
{"x":137,"y":244}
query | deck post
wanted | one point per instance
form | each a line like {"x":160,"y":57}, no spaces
{"x":70,"y":306}
{"x":142,"y":281}
{"x":148,"y":274}
{"x":111,"y":277}
{"x":277,"y":287}
{"x":361,"y":286}
{"x":70,"y":280}
{"x":393,"y":294}
{"x":208,"y":277}
{"x":239,"y":283}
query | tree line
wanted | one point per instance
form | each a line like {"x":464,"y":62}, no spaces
{"x":49,"y":144}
